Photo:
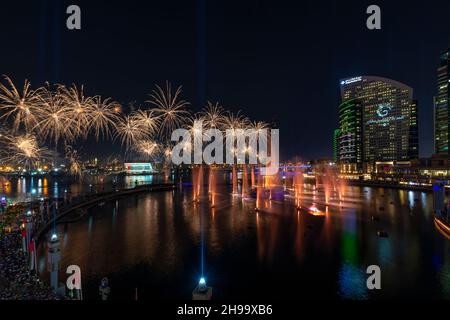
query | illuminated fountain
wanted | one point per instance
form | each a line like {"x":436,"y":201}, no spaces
{"x":268,"y":184}
{"x":205,"y":184}
{"x":341,"y":187}
{"x":197,"y":183}
{"x":212,"y":183}
{"x":210,"y":180}
{"x":272,"y":181}
{"x":332,"y":184}
{"x":298,"y":187}
{"x":252,"y":175}
{"x":234,"y":180}
{"x":244,"y":182}
{"x":194,"y":176}
{"x":166,"y":165}
{"x":329,"y":190}
{"x":166,"y":173}
{"x":259,"y":193}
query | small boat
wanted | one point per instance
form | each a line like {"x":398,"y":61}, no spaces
{"x":443,"y":226}
{"x":382,"y":234}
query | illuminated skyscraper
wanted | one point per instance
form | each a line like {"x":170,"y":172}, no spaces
{"x":349,"y":140}
{"x":442,"y":106}
{"x":377,"y":122}
{"x":336,"y":134}
{"x":413,"y":151}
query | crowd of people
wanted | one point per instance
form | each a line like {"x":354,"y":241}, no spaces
{"x":17,"y":281}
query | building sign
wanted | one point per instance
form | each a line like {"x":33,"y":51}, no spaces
{"x":383,"y":110}
{"x":351,"y":80}
{"x":384,"y":119}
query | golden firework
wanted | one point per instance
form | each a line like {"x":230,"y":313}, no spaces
{"x":170,"y":108}
{"x":20,"y":106}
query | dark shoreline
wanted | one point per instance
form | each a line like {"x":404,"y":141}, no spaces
{"x":389,"y":185}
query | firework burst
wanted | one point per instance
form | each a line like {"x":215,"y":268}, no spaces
{"x":170,"y":108}
{"x":24,"y":150}
{"x":55,"y":120}
{"x":213,"y":115}
{"x":79,"y":106}
{"x":75,"y":164}
{"x":198,"y":123}
{"x":148,"y":148}
{"x":129,"y":131}
{"x":66,"y":114}
{"x":20,"y":106}
{"x":102,"y":116}
{"x":258,"y":125}
{"x":147,"y":120}
{"x":235,"y":121}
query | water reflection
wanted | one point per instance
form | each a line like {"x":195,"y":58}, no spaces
{"x":153,"y":241}
{"x":22,"y":189}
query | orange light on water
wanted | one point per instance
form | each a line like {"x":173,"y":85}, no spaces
{"x":315,"y":212}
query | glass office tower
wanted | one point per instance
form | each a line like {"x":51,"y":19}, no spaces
{"x":442,"y":106}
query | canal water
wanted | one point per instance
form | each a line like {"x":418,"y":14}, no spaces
{"x":159,"y":244}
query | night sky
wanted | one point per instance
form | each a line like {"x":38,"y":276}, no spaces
{"x":276,"y":61}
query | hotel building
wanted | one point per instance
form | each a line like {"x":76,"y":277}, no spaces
{"x":378,"y":124}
